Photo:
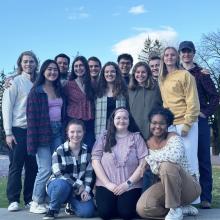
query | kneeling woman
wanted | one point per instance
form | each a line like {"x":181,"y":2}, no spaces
{"x":116,"y":159}
{"x":178,"y":185}
{"x":71,"y":174}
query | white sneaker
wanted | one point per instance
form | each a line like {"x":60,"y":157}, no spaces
{"x":37,"y":208}
{"x":174,"y":214}
{"x":189,"y":210}
{"x":14,"y":206}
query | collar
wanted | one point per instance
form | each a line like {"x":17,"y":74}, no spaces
{"x":26,"y":75}
{"x":66,"y":146}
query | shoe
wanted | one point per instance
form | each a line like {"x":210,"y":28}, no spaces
{"x":37,"y":208}
{"x":14,"y":206}
{"x":28,"y":205}
{"x":189,"y":210}
{"x":51,"y":214}
{"x":174,"y":214}
{"x":205,"y":205}
{"x":68,"y":209}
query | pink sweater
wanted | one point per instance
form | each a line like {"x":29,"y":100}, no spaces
{"x":124,"y":159}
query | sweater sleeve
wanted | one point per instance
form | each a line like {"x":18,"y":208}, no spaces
{"x":8,"y":102}
{"x":192,"y":101}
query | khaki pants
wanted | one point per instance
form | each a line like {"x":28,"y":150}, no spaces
{"x":176,"y":188}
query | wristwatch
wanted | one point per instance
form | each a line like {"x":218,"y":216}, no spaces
{"x":129,"y":183}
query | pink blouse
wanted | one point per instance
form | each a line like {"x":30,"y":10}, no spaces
{"x":124,"y":159}
{"x":78,"y":106}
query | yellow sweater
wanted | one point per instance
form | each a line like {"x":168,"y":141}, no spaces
{"x":179,"y":94}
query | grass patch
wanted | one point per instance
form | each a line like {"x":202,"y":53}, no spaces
{"x":215,"y":192}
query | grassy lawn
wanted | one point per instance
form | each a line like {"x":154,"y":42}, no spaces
{"x":215,"y":202}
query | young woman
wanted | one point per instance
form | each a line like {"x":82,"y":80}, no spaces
{"x":14,"y":105}
{"x":80,"y":97}
{"x":178,"y":185}
{"x":179,"y":94}
{"x":144,"y":95}
{"x":45,"y":115}
{"x":111,"y":94}
{"x":116,"y":159}
{"x":71,"y":175}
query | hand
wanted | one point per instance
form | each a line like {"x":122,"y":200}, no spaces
{"x":202,"y":115}
{"x":10,"y":139}
{"x":121,"y":189}
{"x":8,"y":82}
{"x":184,"y":133}
{"x":111,"y":186}
{"x":205,"y":71}
{"x":85,"y":196}
{"x":80,"y":190}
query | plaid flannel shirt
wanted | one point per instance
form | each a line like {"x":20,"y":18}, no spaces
{"x":101,"y":112}
{"x":64,"y":166}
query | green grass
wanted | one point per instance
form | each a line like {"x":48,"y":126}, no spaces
{"x":215,"y":192}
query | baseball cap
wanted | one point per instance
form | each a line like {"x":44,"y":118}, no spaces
{"x":187,"y":45}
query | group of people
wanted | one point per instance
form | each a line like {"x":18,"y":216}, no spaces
{"x":98,"y":137}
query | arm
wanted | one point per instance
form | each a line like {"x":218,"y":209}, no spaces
{"x":192,"y":103}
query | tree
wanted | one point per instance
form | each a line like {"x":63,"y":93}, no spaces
{"x":151,"y":48}
{"x":2,"y":137}
{"x":209,"y":57}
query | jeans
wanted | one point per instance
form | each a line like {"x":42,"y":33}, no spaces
{"x":148,"y":179}
{"x":18,"y":158}
{"x":44,"y":162}
{"x":205,"y":168}
{"x":60,"y":191}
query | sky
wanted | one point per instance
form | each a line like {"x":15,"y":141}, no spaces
{"x":99,"y":27}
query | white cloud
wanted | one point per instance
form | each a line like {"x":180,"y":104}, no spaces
{"x":77,"y":13}
{"x":136,"y":10}
{"x":134,"y":44}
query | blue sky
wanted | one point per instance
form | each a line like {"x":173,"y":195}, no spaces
{"x":99,"y":27}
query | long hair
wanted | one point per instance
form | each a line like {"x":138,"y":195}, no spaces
{"x":41,"y":78}
{"x":111,"y":130}
{"x":119,"y":86}
{"x":163,"y":68}
{"x":19,"y":67}
{"x":149,"y":83}
{"x":86,"y":77}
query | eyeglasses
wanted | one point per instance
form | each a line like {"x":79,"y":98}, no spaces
{"x":158,"y":123}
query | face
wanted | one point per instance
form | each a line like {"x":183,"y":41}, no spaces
{"x":170,"y":57}
{"x":121,"y":120}
{"x":186,"y":55}
{"x":75,"y":133}
{"x":63,"y":64}
{"x":94,"y":68}
{"x":141,"y":75}
{"x":155,"y":67}
{"x":51,"y":73}
{"x":110,"y":74}
{"x":28,"y":64}
{"x":125,"y":66}
{"x":158,"y":125}
{"x":79,"y":68}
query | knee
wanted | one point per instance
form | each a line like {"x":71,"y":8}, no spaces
{"x":168,"y":167}
{"x":59,"y":188}
{"x":140,"y":207}
{"x":87,"y":211}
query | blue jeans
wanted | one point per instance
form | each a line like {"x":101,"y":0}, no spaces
{"x":205,"y":167}
{"x":44,"y":162}
{"x":60,"y":191}
{"x":148,"y":180}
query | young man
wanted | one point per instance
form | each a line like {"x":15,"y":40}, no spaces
{"x":154,"y":64}
{"x":125,"y":63}
{"x":95,"y":66}
{"x":209,"y":100}
{"x":63,"y":62}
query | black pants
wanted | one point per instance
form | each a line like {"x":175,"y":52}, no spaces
{"x":18,"y":158}
{"x":110,"y":206}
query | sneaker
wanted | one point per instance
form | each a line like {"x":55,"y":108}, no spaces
{"x":28,"y":205}
{"x":51,"y":214}
{"x":205,"y":205}
{"x":68,"y":209}
{"x":14,"y":206}
{"x":37,"y":208}
{"x":189,"y":210}
{"x":174,"y":214}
